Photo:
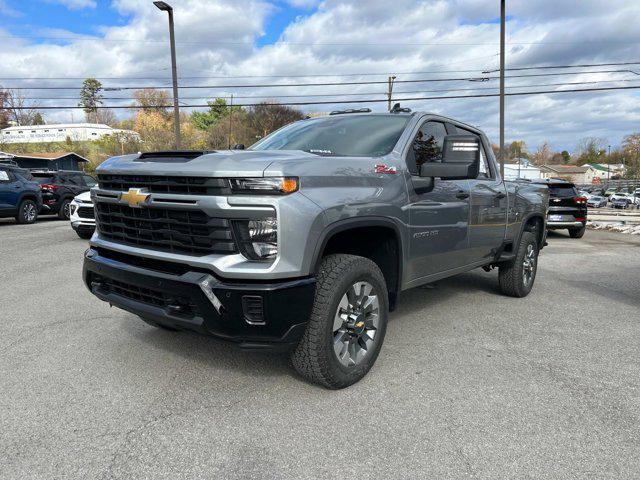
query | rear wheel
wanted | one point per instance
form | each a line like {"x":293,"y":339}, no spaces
{"x":347,"y":325}
{"x":577,"y":232}
{"x":65,"y":210}
{"x":27,"y":212}
{"x":517,"y":277}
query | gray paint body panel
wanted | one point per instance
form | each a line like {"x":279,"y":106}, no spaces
{"x":338,"y":189}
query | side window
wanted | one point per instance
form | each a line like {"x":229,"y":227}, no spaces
{"x":4,"y":176}
{"x":426,"y":146}
{"x":485,"y":169}
{"x":90,"y":181}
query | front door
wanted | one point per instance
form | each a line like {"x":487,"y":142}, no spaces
{"x":438,"y":214}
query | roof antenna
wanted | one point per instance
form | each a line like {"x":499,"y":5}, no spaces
{"x":398,"y":109}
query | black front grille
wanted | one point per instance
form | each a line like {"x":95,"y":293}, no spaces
{"x":86,"y":212}
{"x":175,"y":304}
{"x":165,"y":184}
{"x":166,"y":229}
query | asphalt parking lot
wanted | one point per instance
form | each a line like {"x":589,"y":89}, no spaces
{"x":469,"y":384}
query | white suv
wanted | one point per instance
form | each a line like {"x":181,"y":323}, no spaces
{"x":82,"y":216}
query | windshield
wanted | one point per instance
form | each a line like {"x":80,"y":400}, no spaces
{"x":340,"y":135}
{"x":597,"y":199}
{"x":43,"y":178}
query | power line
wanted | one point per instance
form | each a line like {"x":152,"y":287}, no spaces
{"x":366,"y":74}
{"x":594,"y":82}
{"x":407,"y":99}
{"x":368,"y":82}
{"x":310,"y":44}
{"x":583,"y":65}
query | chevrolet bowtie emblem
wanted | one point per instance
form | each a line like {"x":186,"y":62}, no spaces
{"x":134,"y":197}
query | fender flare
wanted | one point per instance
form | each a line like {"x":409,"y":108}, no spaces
{"x":525,"y":220}
{"x":358,"y":222}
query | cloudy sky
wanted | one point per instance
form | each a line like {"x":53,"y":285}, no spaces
{"x":224,"y":44}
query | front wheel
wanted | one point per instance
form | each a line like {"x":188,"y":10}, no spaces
{"x":65,"y":210}
{"x":516,"y":278}
{"x":27,"y":212}
{"x":347,"y":325}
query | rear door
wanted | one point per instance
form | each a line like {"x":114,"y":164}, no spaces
{"x":10,"y":188}
{"x":488,"y":206}
{"x":439,"y":215}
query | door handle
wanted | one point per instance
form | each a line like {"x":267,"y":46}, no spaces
{"x":462,"y":195}
{"x":501,"y":195}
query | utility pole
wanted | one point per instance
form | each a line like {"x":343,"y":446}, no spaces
{"x":502,"y":39}
{"x":390,"y":93}
{"x":608,"y":166}
{"x":165,"y":7}
{"x":230,"y":115}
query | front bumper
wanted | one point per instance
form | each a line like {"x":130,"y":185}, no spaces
{"x":253,"y":315}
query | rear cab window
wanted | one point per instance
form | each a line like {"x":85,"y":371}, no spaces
{"x":562,"y":191}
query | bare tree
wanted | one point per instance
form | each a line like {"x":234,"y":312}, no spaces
{"x":19,"y":109}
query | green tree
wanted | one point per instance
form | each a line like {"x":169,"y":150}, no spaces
{"x":566,"y":157}
{"x":218,"y":111}
{"x":90,"y":99}
{"x":37,"y":119}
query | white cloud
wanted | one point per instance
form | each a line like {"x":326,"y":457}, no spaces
{"x":217,"y":38}
{"x":6,"y":9}
{"x":76,"y":4}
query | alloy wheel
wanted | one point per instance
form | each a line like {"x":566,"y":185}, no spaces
{"x":356,"y":323}
{"x":529,"y":265}
{"x":29,"y":212}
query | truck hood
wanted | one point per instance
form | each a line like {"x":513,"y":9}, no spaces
{"x":223,"y":163}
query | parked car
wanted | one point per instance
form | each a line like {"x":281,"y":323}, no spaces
{"x":596,"y":202}
{"x":83,"y":219}
{"x":20,"y":195}
{"x":620,"y":202}
{"x":305,"y":240}
{"x":567,"y":209}
{"x":610,"y":191}
{"x":621,"y":196}
{"x":59,"y":188}
{"x":585,"y":194}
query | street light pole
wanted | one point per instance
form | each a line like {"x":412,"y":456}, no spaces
{"x":165,"y":7}
{"x":502,"y":41}
{"x":390,"y":92}
{"x":608,"y":166}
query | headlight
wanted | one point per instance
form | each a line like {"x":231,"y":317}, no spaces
{"x":267,"y":185}
{"x":258,"y":239}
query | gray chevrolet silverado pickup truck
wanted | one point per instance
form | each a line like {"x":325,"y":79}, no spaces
{"x":305,"y":240}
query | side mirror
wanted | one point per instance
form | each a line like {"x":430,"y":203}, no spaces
{"x":238,"y":146}
{"x":460,"y":159}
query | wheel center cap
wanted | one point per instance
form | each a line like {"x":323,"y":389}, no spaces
{"x":357,"y":323}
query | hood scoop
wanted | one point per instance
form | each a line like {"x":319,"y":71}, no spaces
{"x":171,"y":157}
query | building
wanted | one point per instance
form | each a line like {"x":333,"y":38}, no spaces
{"x":599,"y":173}
{"x":570,"y":173}
{"x":81,"y":132}
{"x":48,"y":161}
{"x":521,"y":168}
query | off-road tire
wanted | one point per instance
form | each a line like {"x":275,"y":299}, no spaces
{"x":314,"y":356}
{"x":577,"y":232}
{"x":510,"y":277}
{"x":64,"y":207}
{"x":21,"y":216}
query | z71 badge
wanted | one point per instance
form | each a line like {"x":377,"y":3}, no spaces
{"x":385,"y":169}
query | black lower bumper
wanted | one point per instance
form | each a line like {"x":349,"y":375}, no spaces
{"x":254,"y":315}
